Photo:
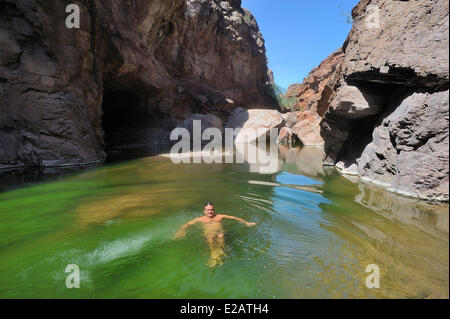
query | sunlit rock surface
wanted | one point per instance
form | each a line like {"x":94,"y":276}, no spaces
{"x":313,"y":99}
{"x":254,"y":124}
{"x":388,"y":118}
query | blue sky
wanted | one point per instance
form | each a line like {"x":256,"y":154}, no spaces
{"x":300,"y":34}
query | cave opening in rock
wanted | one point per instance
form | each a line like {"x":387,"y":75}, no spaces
{"x":133,"y":125}
{"x":123,"y":116}
{"x":360,"y":130}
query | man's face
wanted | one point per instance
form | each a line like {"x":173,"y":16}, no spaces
{"x":209,"y":211}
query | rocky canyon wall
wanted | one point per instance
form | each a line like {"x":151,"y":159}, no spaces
{"x":388,"y":116}
{"x":312,"y":98}
{"x":311,"y":95}
{"x":130,"y":62}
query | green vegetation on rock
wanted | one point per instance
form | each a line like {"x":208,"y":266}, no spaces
{"x":286,"y":103}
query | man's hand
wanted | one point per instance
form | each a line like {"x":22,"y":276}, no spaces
{"x":179,"y":234}
{"x":250,"y":224}
{"x":182,"y":231}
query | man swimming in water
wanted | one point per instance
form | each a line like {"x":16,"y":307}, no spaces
{"x":213,"y":232}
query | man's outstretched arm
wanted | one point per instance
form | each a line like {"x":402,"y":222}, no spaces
{"x":239,"y":220}
{"x":182,"y":231}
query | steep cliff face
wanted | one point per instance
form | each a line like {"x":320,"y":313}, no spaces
{"x":316,"y":86}
{"x":388,"y":118}
{"x":312,"y":99}
{"x":130,"y":64}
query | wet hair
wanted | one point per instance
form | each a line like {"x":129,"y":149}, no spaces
{"x":208,"y":204}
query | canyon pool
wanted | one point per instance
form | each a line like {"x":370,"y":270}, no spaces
{"x":317,"y":232}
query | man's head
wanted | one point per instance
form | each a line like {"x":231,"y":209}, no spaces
{"x":209,"y":210}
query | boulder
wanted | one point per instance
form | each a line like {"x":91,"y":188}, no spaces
{"x":307,"y":129}
{"x":286,"y":136}
{"x":357,"y":102}
{"x":254,"y":123}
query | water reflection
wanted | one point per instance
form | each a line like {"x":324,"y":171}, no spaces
{"x":432,"y":218}
{"x":302,"y":160}
{"x":21,"y":177}
{"x":306,"y":161}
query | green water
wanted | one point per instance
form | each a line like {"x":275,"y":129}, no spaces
{"x":316,"y":233}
